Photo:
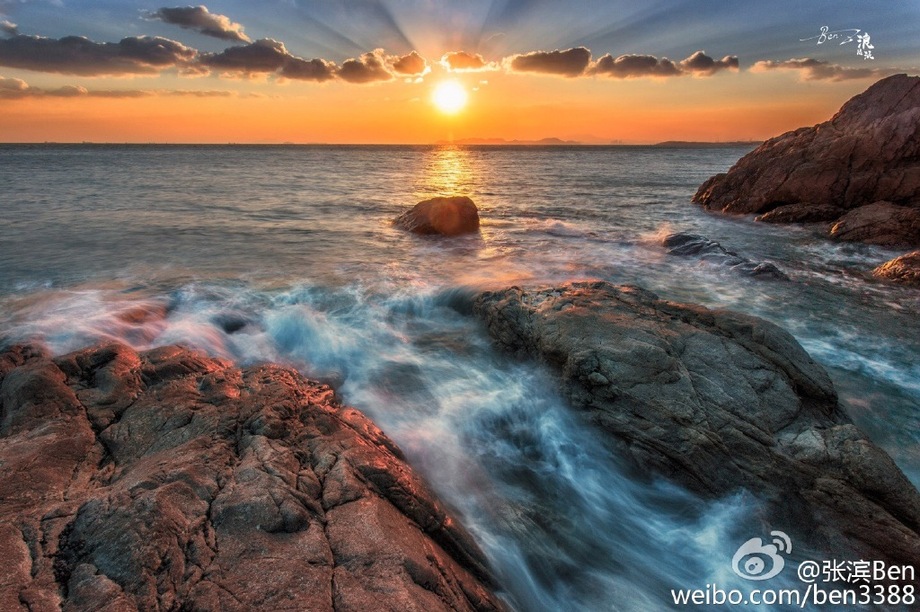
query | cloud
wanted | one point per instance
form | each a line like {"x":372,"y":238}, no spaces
{"x":411,"y":64}
{"x":8,"y":28}
{"x":267,"y":56}
{"x":368,"y":68}
{"x":568,"y":63}
{"x":701,"y":64}
{"x":79,"y":55}
{"x":638,"y":66}
{"x":635,"y":66}
{"x":16,"y":89}
{"x":199,"y":19}
{"x":462,"y":61}
{"x":811,"y":69}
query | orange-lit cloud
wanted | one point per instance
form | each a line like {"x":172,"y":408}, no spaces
{"x":638,"y":66}
{"x":199,"y":19}
{"x":79,"y":55}
{"x":463,"y":61}
{"x":410,"y":64}
{"x":811,"y":69}
{"x":368,"y":68}
{"x":267,"y":56}
{"x":568,"y":63}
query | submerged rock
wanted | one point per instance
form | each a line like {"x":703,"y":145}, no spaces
{"x":689,"y":245}
{"x":868,"y":152}
{"x":170,"y":480}
{"x":447,"y":216}
{"x":717,"y":401}
{"x":904,"y":269}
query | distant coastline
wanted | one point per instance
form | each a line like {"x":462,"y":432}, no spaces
{"x":493,"y":142}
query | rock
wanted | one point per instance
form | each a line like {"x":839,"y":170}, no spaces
{"x":868,"y":152}
{"x":450,"y":216}
{"x":801,"y":212}
{"x":170,"y":480}
{"x":904,"y":269}
{"x":880,"y":223}
{"x":717,"y":401}
{"x":688,"y":245}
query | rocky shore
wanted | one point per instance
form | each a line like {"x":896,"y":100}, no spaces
{"x":857,"y":173}
{"x":168,"y":480}
{"x":717,"y":401}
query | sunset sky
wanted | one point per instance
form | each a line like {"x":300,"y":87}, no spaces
{"x":369,"y":71}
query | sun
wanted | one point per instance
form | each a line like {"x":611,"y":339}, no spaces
{"x":450,"y":97}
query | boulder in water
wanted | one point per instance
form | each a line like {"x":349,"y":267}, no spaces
{"x":904,"y":269}
{"x":881,"y":223}
{"x":447,"y":216}
{"x":717,"y":401}
{"x":169,"y":480}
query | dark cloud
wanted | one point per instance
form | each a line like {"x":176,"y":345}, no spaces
{"x":267,"y":56}
{"x":79,"y":55}
{"x":411,"y":64}
{"x":635,"y":66}
{"x":368,"y":68}
{"x":638,"y":66}
{"x":701,"y":64}
{"x":14,"y":89}
{"x":8,"y":28}
{"x":199,"y":19}
{"x":569,"y":63}
{"x":462,"y":61}
{"x":811,"y":69}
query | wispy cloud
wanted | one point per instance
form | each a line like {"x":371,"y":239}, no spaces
{"x":15,"y":89}
{"x":201,"y":20}
{"x":568,"y":63}
{"x":811,"y":69}
{"x":80,"y":55}
{"x":8,"y":28}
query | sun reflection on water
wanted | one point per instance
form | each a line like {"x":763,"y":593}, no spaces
{"x":448,"y":171}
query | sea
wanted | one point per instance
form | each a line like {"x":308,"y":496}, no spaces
{"x":288,"y":254}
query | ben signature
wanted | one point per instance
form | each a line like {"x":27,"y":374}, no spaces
{"x":864,"y":45}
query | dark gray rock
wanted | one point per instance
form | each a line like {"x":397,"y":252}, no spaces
{"x":169,"y":480}
{"x":868,"y":152}
{"x":447,"y":216}
{"x":881,"y":223}
{"x":717,"y":401}
{"x":691,"y":245}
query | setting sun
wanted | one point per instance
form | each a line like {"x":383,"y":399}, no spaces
{"x":450,"y":97}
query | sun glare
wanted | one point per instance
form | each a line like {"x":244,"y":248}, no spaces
{"x":450,"y":97}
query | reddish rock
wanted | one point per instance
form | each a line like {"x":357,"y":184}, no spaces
{"x":868,"y":152}
{"x":879,"y":223}
{"x":170,"y":480}
{"x":801,"y":212}
{"x":449,"y":216}
{"x":904,"y":269}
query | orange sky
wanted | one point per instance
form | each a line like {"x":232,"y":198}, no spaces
{"x":731,"y":106}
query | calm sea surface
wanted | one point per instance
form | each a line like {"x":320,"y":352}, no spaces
{"x":287,"y":254}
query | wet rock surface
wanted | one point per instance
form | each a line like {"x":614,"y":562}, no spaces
{"x":683,"y":244}
{"x":717,"y":401}
{"x":868,"y":152}
{"x":904,"y":269}
{"x":169,"y":480}
{"x":446,"y":216}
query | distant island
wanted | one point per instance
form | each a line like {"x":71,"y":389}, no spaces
{"x":672,"y":144}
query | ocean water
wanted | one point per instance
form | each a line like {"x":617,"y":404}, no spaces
{"x":288,"y":254}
